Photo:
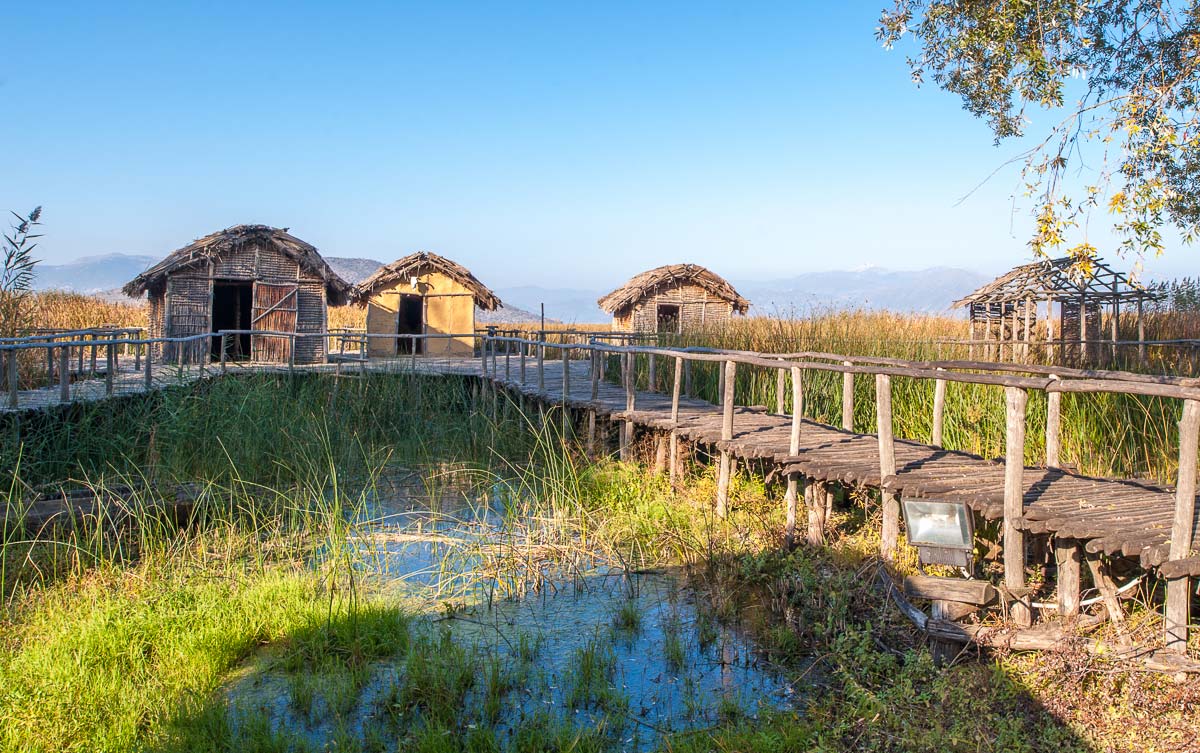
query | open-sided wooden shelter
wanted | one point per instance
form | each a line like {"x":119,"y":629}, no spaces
{"x":673,"y":299}
{"x":423,"y":294}
{"x":1006,"y":310}
{"x":247,"y":277}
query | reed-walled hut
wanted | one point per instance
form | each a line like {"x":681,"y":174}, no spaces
{"x":247,"y":277}
{"x":1056,"y":303}
{"x":423,"y":294}
{"x":673,"y":299}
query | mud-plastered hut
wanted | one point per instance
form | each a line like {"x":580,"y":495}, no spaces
{"x":246,"y":277}
{"x":423,"y":294}
{"x":673,"y":299}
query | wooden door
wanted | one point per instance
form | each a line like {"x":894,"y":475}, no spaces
{"x":275,"y":310}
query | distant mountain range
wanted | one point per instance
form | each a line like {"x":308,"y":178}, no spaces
{"x":927,"y":291}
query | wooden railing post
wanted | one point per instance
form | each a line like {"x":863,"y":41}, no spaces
{"x":541,"y":366}
{"x":522,"y":366}
{"x":728,"y":380}
{"x":566,"y":375}
{"x":890,"y":535}
{"x":49,"y":360}
{"x":674,"y":447}
{"x":780,"y":385}
{"x":14,"y":382}
{"x":148,"y":375}
{"x":1016,"y":401}
{"x":225,"y":351}
{"x":687,"y":379}
{"x":1053,"y":426}
{"x":626,"y":438}
{"x":64,"y":374}
{"x":1183,"y":528}
{"x":792,"y":495}
{"x":847,"y":399}
{"x":651,"y":374}
{"x":483,"y":355}
{"x":110,"y":365}
{"x":596,"y":356}
{"x":507,"y":361}
{"x":939,"y":410}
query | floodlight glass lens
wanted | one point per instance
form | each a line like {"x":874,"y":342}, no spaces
{"x":944,"y":524}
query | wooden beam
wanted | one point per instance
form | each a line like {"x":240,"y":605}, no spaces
{"x":890,"y":534}
{"x":1183,"y":528}
{"x":1016,"y":400}
{"x":977,"y":592}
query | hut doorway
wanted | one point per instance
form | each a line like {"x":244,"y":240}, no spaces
{"x":410,"y":320}
{"x":668,"y":318}
{"x":231,"y":305}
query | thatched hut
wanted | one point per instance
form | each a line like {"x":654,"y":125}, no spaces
{"x":247,"y":277}
{"x":1020,"y":307}
{"x":673,"y":299}
{"x":423,"y":294}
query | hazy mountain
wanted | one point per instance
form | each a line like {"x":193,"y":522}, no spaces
{"x":91,"y":274}
{"x":571,"y":305}
{"x":927,"y":291}
{"x":353,"y":270}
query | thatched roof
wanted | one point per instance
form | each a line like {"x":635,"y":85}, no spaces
{"x":1058,"y":279}
{"x":647,"y":283}
{"x":213,"y":246}
{"x":424,"y":262}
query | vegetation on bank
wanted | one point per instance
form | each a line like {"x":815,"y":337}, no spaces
{"x":125,"y":640}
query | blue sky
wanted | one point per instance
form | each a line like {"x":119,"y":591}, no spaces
{"x":552,"y":144}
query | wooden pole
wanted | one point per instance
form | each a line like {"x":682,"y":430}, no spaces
{"x":780,"y":386}
{"x":939,"y":410}
{"x":1067,"y":555}
{"x":522,"y":367}
{"x":890,"y":535}
{"x":1053,"y":426}
{"x":541,"y":366}
{"x":148,"y":374}
{"x":847,"y":399}
{"x":652,"y":374}
{"x":13,"y":379}
{"x":225,"y":349}
{"x":626,"y":432}
{"x":595,"y":375}
{"x":110,"y":359}
{"x":1116,"y":319}
{"x":793,"y":479}
{"x":674,"y":450}
{"x":729,"y":374}
{"x":1183,"y":528}
{"x":1016,"y":400}
{"x":814,"y":499}
{"x":687,"y":379}
{"x":1141,"y":328}
{"x":566,"y":375}
{"x":64,"y":374}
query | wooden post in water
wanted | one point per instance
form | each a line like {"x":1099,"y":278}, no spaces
{"x":890,"y":534}
{"x":674,"y":448}
{"x":847,"y":399}
{"x":1183,"y":528}
{"x":1053,"y":426}
{"x":793,"y":480}
{"x":1016,"y":401}
{"x":64,"y":374}
{"x":939,"y":410}
{"x":728,"y":378}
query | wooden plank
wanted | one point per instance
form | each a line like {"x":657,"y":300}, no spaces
{"x":977,"y":592}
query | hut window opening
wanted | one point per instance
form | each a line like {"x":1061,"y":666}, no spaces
{"x":410,"y":320}
{"x":668,"y":318}
{"x":231,"y":306}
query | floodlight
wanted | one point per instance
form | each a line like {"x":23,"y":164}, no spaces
{"x":943,"y":532}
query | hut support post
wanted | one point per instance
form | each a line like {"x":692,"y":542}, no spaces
{"x":1183,"y":529}
{"x":728,"y":373}
{"x":1053,"y":424}
{"x":64,"y":374}
{"x":1116,"y":319}
{"x":1067,"y":555}
{"x":674,"y":449}
{"x":887,"y":467}
{"x":1048,"y":347}
{"x":1027,"y":331}
{"x":847,"y":399}
{"x":793,"y":479}
{"x":939,"y":410}
{"x":1016,"y":401}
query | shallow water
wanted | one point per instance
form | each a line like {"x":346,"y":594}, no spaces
{"x":667,"y":665}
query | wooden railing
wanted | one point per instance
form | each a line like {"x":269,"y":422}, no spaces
{"x":1016,"y":380}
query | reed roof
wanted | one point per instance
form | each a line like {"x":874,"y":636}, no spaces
{"x":1059,"y":279}
{"x":423,"y":262}
{"x":647,"y":283}
{"x":233,"y":239}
